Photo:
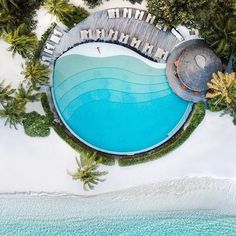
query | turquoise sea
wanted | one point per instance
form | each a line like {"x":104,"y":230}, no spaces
{"x":72,"y":216}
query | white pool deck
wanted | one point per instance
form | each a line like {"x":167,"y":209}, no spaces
{"x":41,"y":164}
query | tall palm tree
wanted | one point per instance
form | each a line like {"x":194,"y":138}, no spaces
{"x":6,"y":93}
{"x":59,"y":8}
{"x":26,"y":95}
{"x":21,"y":42}
{"x":36,"y":73}
{"x":87,"y":171}
{"x":223,"y":90}
{"x":6,"y":3}
{"x":222,"y":34}
{"x":13,"y":111}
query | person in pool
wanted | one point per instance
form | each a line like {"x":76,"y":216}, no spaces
{"x":98,"y":48}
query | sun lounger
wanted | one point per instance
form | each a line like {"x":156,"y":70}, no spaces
{"x":83,"y":34}
{"x":122,"y":36}
{"x":138,"y":44}
{"x":137,"y":13}
{"x":98,"y":33}
{"x":125,"y":12}
{"x":117,"y":13}
{"x":111,"y":13}
{"x":149,"y":52}
{"x":164,"y":28}
{"x":57,"y":32}
{"x":48,"y":51}
{"x":149,"y":16}
{"x":50,"y":46}
{"x":158,"y":26}
{"x":115,"y":37}
{"x":159,"y":53}
{"x":46,"y":59}
{"x":165,"y":55}
{"x":90,"y":33}
{"x":55,"y":39}
{"x":133,"y":42}
{"x":177,"y":34}
{"x":130,"y":13}
{"x":152,"y":20}
{"x":110,"y":34}
{"x":145,"y":48}
{"x":103,"y":34}
{"x":46,"y":63}
{"x":126,"y":39}
{"x":141,"y":15}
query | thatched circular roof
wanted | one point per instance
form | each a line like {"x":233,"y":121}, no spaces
{"x":197,"y":63}
{"x":189,"y":67}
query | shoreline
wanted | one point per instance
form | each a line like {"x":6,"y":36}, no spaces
{"x":186,"y":194}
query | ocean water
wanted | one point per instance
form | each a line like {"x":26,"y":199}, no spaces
{"x":117,"y":104}
{"x":73,"y":216}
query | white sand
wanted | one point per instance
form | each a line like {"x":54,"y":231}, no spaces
{"x":41,"y":164}
{"x":110,"y":4}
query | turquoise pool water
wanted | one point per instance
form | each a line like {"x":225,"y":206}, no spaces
{"x":116,"y":104}
{"x":72,"y":216}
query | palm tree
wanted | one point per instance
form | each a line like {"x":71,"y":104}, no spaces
{"x":59,"y":8}
{"x":87,"y":171}
{"x":36,"y":73}
{"x":6,"y":93}
{"x":13,"y":111}
{"x":5,"y":3}
{"x":222,"y":34}
{"x":22,"y":42}
{"x":26,"y":95}
{"x":223,"y":90}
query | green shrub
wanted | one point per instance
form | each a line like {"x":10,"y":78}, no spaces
{"x":194,"y":120}
{"x":213,"y":108}
{"x":36,"y":125}
{"x":77,"y":14}
{"x":79,"y":147}
{"x":93,"y":3}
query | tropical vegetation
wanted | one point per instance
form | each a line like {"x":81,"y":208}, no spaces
{"x":13,"y":13}
{"x":87,"y":172}
{"x":93,"y":3}
{"x":36,"y":125}
{"x":36,"y":73}
{"x":26,"y":94}
{"x":67,"y":13}
{"x":6,"y":93}
{"x":190,"y":13}
{"x":221,"y":35}
{"x":13,"y":112}
{"x":222,"y":92}
{"x":22,"y":41}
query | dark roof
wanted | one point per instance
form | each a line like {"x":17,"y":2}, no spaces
{"x":197,"y":63}
{"x":192,"y":71}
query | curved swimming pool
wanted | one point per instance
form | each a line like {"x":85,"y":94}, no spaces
{"x":116,"y":102}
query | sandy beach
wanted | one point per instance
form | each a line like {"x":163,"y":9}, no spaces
{"x":39,"y":165}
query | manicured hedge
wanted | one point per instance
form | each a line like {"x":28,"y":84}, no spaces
{"x":36,"y":125}
{"x":194,"y":120}
{"x":61,"y":131}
